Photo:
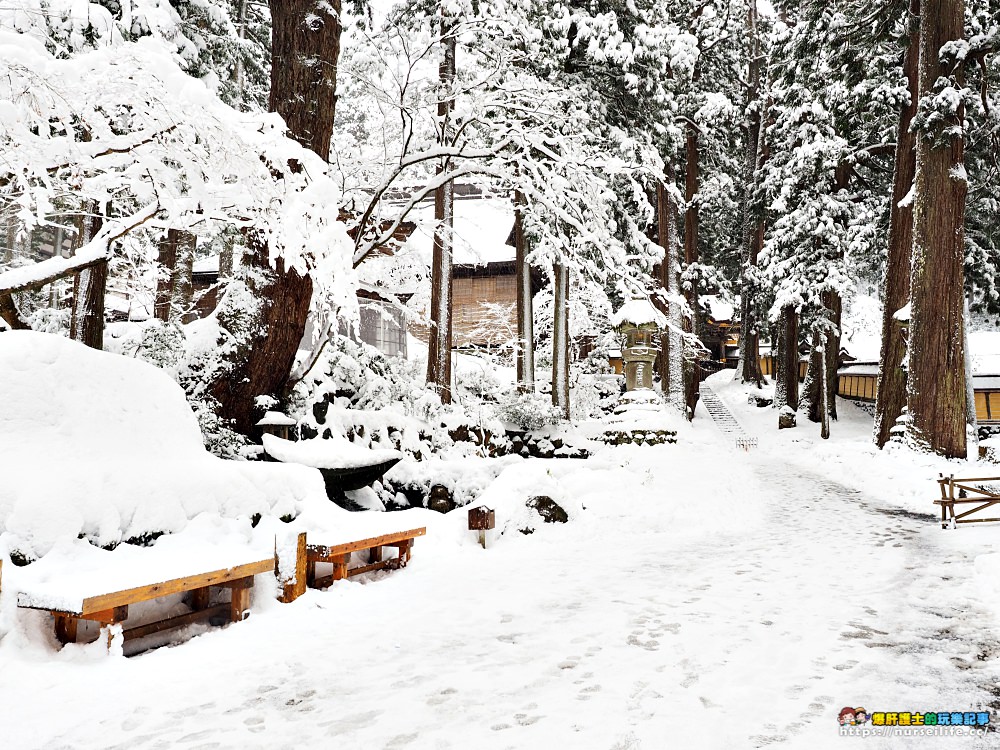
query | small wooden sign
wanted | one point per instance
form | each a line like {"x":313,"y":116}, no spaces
{"x":481,"y":519}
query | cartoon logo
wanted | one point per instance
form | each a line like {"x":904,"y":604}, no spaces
{"x":852,"y":716}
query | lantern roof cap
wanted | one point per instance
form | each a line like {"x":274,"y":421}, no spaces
{"x":276,"y":419}
{"x":639,"y":312}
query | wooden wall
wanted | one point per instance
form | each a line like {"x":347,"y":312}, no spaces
{"x":470,"y":295}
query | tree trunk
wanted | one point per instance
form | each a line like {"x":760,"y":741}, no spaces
{"x":10,"y":313}
{"x":692,"y":325}
{"x":890,"y":397}
{"x":819,"y":391}
{"x":525,"y":313}
{"x":182,"y":281}
{"x":671,"y":357}
{"x":786,"y":362}
{"x":936,"y":373}
{"x":305,"y":48}
{"x":89,"y":290}
{"x":753,"y":227}
{"x":439,"y":343}
{"x":691,"y":220}
{"x":167,"y":260}
{"x":560,"y":340}
{"x":835,"y":304}
{"x":226,"y":257}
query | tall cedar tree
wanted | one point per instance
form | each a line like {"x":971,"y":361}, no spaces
{"x":936,"y":384}
{"x":305,"y":47}
{"x":525,"y":311}
{"x":890,"y":397}
{"x":752,"y":222}
{"x":439,"y":341}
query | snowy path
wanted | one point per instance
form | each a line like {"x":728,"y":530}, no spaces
{"x":639,"y":641}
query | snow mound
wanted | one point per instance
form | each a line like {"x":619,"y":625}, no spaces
{"x":104,"y":447}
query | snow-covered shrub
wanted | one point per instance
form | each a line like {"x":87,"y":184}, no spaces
{"x":593,"y":396}
{"x":481,"y":383}
{"x":528,"y":410}
{"x":162,"y":344}
{"x":209,"y":349}
{"x":363,"y":375}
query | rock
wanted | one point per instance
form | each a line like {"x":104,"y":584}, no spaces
{"x":759,"y":401}
{"x":544,"y":448}
{"x":440,"y":499}
{"x":548,"y":509}
{"x":786,"y":419}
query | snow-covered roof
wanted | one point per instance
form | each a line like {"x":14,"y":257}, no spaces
{"x":482,"y":227}
{"x":638,"y":312}
{"x":718,"y":308}
{"x":276,"y":419}
{"x":208,"y":264}
{"x":860,"y":369}
{"x":986,"y":382}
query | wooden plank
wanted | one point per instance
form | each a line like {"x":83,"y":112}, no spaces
{"x":323,"y":582}
{"x":984,"y":506}
{"x":380,"y":565}
{"x":978,"y":520}
{"x":965,"y":501}
{"x":239,"y":583}
{"x":977,"y":490}
{"x":108,"y":616}
{"x":323,"y":553}
{"x":220,"y":611}
{"x":175,"y":586}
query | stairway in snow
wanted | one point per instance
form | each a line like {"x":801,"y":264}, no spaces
{"x":724,"y":419}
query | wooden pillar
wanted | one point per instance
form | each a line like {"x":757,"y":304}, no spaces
{"x":200,"y":599}
{"x":340,"y":566}
{"x":239,"y":606}
{"x":295,"y":587}
{"x":66,"y":629}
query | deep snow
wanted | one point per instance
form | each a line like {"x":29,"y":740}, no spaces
{"x":700,"y":596}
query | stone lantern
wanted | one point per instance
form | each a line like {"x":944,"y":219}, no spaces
{"x":639,"y":324}
{"x":276,"y":423}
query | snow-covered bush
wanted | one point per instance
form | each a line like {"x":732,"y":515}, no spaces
{"x":162,"y":344}
{"x":528,"y":410}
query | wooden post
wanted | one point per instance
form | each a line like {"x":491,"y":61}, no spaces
{"x":340,"y":566}
{"x":375,"y":555}
{"x":200,"y":599}
{"x":66,"y":629}
{"x":239,"y":606}
{"x":296,"y":587}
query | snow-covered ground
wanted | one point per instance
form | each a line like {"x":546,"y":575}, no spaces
{"x":699,"y":597}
